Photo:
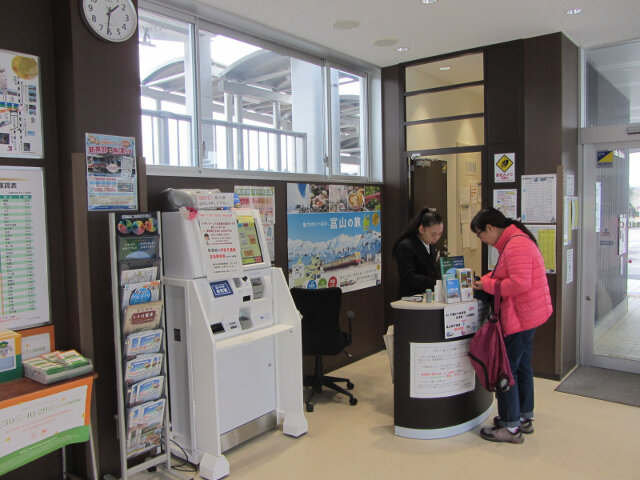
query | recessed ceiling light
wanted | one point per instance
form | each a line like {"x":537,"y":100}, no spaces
{"x":385,"y":42}
{"x":346,"y":24}
{"x":402,"y":49}
{"x":428,"y":2}
{"x":445,"y":68}
{"x":574,"y":11}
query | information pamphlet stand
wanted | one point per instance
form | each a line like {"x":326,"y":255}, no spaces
{"x":136,"y":273}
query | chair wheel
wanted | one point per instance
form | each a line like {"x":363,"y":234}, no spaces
{"x":309,"y":407}
{"x":353,"y":400}
{"x":350,"y":386}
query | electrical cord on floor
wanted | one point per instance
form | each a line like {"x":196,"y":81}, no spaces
{"x":191,"y":467}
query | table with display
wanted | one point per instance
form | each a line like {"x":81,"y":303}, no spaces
{"x":436,"y":393}
{"x":37,"y":419}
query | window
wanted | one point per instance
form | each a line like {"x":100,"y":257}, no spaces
{"x":259,"y":109}
{"x":166,"y":91}
{"x":612,"y":89}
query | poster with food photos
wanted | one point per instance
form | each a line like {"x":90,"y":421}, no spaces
{"x":111,"y":172}
{"x":334,"y":235}
{"x":20,"y":106}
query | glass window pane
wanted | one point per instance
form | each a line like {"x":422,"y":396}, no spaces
{"x":347,"y":92}
{"x":261,"y":111}
{"x":451,"y":71}
{"x":428,"y":136}
{"x":612,"y":87}
{"x":448,"y":103}
{"x":166,"y":88}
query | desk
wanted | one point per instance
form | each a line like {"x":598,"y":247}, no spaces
{"x":38,"y":419}
{"x":436,"y":394}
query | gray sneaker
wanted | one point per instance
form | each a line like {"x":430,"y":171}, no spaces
{"x":525,"y":427}
{"x":501,"y":434}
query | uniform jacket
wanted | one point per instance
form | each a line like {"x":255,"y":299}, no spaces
{"x":417,"y":268}
{"x":526,"y":302}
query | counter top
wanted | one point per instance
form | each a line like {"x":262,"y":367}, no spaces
{"x":409,"y":305}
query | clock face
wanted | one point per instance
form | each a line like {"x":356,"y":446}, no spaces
{"x":112,"y":20}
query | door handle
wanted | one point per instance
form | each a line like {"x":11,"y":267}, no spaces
{"x":587,"y":298}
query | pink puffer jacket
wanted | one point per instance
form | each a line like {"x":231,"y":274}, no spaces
{"x":526,"y":302}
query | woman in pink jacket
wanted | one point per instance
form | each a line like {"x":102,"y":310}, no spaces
{"x":525,"y":305}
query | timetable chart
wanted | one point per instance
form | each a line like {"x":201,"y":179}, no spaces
{"x":17,"y":259}
{"x":24,"y":281}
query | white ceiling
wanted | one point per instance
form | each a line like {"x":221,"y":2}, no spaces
{"x":429,"y":30}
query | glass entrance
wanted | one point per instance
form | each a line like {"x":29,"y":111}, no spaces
{"x":610,"y":330}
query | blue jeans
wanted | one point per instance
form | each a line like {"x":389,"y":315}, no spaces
{"x":518,"y":400}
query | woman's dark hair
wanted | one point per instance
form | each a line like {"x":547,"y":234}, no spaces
{"x":494,"y":217}
{"x":425,"y":218}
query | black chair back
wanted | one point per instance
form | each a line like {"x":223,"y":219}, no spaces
{"x":320,"y":310}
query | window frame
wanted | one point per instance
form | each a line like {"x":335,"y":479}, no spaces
{"x":369,"y":73}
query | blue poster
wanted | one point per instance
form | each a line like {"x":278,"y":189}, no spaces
{"x":333,"y":236}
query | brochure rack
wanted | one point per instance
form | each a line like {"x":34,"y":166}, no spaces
{"x":140,"y":342}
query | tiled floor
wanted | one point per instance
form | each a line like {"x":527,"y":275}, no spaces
{"x":622,"y":340}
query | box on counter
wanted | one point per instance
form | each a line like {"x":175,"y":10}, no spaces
{"x":10,"y":356}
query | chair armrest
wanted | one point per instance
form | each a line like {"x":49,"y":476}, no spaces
{"x":350,"y":316}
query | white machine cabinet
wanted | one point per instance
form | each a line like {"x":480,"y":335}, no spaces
{"x":234,"y":343}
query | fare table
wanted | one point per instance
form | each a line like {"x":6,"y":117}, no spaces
{"x":37,"y":419}
{"x":436,"y":393}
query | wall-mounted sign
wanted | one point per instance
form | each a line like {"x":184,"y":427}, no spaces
{"x":504,"y":167}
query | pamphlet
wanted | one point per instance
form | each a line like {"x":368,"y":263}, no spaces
{"x":137,"y":247}
{"x":138,"y":275}
{"x":144,"y":292}
{"x":144,"y":427}
{"x":452,"y":288}
{"x":142,"y":367}
{"x":144,"y":316}
{"x":145,"y":390}
{"x":147,"y":341}
{"x":448,"y":265}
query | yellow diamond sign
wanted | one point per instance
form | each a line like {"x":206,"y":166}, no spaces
{"x":504,"y":163}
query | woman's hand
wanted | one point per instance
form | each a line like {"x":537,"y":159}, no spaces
{"x":477,"y":285}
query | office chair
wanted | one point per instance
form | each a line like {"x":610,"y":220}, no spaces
{"x":321,"y":335}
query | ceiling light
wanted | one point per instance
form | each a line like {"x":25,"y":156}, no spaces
{"x":385,"y":42}
{"x":402,"y":49}
{"x":574,"y":11}
{"x":428,"y":2}
{"x":346,"y":24}
{"x":444,"y":69}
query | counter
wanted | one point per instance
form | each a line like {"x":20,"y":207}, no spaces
{"x":436,"y":393}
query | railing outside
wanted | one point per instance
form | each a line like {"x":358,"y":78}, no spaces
{"x":167,"y":140}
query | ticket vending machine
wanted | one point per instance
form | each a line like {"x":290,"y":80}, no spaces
{"x":233,"y":336}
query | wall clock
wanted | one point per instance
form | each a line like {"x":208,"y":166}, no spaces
{"x":110,"y":20}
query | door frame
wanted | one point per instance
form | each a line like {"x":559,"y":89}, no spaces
{"x":593,"y":139}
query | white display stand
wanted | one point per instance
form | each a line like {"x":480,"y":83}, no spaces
{"x":235,"y":356}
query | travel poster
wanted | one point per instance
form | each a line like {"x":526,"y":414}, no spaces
{"x":111,"y":172}
{"x":333,"y":236}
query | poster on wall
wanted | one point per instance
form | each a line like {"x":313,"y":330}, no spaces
{"x":24,"y":280}
{"x":20,"y":106}
{"x":334,"y":236}
{"x":538,"y":198}
{"x":111,"y":172}
{"x":262,"y":199}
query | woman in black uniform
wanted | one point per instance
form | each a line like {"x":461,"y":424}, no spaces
{"x":416,"y":255}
